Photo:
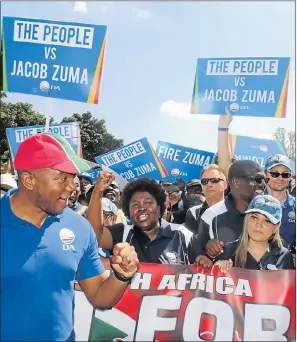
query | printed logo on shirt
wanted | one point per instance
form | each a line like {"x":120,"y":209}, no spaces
{"x":292,"y":216}
{"x":271,"y":267}
{"x":171,"y":258}
{"x":67,"y":237}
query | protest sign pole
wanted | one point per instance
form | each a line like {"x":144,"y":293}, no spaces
{"x":48,"y":116}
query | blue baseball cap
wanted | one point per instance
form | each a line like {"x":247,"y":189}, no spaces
{"x":278,"y":159}
{"x":267,"y":206}
{"x":108,"y":206}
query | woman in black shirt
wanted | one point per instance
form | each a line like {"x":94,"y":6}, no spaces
{"x":260,"y":246}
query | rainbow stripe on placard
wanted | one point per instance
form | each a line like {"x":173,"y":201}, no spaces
{"x":194,"y":103}
{"x":281,"y":147}
{"x":160,"y":165}
{"x":95,"y":88}
{"x":282,"y":102}
{"x":79,"y":145}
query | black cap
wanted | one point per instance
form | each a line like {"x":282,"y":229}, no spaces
{"x":193,"y":182}
{"x":170,"y":188}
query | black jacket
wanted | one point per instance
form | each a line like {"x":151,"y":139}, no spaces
{"x":221,"y":221}
{"x":276,"y":259}
{"x":193,"y":216}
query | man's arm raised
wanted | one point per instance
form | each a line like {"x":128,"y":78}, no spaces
{"x":224,"y":150}
{"x":95,"y":210}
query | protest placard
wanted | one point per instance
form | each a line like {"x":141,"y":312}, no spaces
{"x":259,"y":150}
{"x":134,"y":160}
{"x":256,"y":149}
{"x":182,"y":162}
{"x":70,"y":131}
{"x":55,"y":59}
{"x":247,"y":86}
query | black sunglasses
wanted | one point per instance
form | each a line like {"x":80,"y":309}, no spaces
{"x":256,"y":179}
{"x":205,"y":181}
{"x":276,"y":174}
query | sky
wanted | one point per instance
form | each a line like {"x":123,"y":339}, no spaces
{"x":150,"y":62}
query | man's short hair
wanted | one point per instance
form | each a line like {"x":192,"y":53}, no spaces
{"x":213,"y":167}
{"x":244,"y":168}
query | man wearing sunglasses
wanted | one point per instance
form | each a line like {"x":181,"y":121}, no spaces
{"x":221,"y":225}
{"x":213,"y":185}
{"x":278,"y":173}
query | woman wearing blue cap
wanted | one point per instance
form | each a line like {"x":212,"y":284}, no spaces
{"x":260,"y":246}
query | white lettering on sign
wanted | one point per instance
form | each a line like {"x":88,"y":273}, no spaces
{"x":127,"y":175}
{"x":242,"y":67}
{"x":141,"y":281}
{"x":202,"y":282}
{"x":70,"y":74}
{"x":124,"y":154}
{"x":29,"y":69}
{"x":66,"y":131}
{"x":260,"y":96}
{"x":191,"y":158}
{"x":196,"y":159}
{"x":40,"y":70}
{"x":259,"y":160}
{"x":220,"y":310}
{"x":138,"y":171}
{"x":144,"y":169}
{"x":151,"y":319}
{"x":257,"y":314}
{"x":231,"y":95}
{"x":169,"y":153}
{"x":53,"y":34}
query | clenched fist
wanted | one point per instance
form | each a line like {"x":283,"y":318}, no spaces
{"x":124,"y":260}
{"x":104,"y":180}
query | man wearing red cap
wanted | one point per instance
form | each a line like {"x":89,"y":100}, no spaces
{"x":45,"y":246}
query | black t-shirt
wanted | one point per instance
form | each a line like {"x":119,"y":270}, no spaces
{"x":169,"y":247}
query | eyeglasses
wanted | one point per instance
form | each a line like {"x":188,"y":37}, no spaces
{"x":276,"y":174}
{"x":255,"y":179}
{"x":205,"y":181}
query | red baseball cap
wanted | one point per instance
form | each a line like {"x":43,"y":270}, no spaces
{"x":48,"y":150}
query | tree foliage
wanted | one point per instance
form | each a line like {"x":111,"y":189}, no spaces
{"x":95,"y":138}
{"x":288,"y":141}
{"x":16,"y":115}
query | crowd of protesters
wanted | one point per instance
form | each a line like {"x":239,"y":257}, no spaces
{"x":233,"y":214}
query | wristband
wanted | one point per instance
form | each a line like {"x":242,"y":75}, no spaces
{"x":122,"y":278}
{"x":210,"y":257}
{"x":222,"y":129}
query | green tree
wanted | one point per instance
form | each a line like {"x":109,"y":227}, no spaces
{"x":94,"y":136}
{"x":15,"y":115}
{"x":288,"y":141}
